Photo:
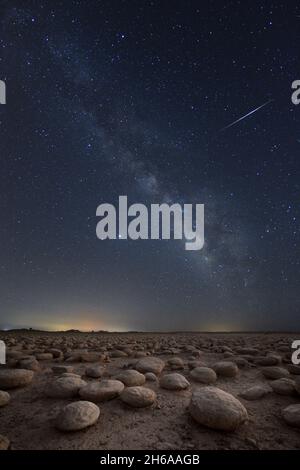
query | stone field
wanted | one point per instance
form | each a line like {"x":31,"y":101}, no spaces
{"x":164,"y":391}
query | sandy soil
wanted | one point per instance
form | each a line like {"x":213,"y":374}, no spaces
{"x":28,"y":420}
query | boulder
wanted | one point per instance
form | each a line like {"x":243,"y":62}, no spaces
{"x":226,"y":369}
{"x":283,"y":386}
{"x":95,"y":371}
{"x":138,"y":397}
{"x":150,"y":364}
{"x":174,"y":382}
{"x":4,"y":398}
{"x":4,"y":442}
{"x":150,"y":377}
{"x":101,"y":391}
{"x":176,"y":363}
{"x":77,"y":416}
{"x":275,"y":372}
{"x":62,"y":369}
{"x":13,"y":378}
{"x":291,"y":415}
{"x":131,"y":378}
{"x":44,"y":357}
{"x":256,"y":392}
{"x":204,"y":375}
{"x":217,"y":409}
{"x":64,"y":387}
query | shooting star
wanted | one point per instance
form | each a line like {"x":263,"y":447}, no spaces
{"x":246,"y":115}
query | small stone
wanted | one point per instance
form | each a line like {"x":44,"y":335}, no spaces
{"x":150,"y":364}
{"x":204,"y":375}
{"x":29,"y":364}
{"x":283,"y":386}
{"x":138,"y":397}
{"x":268,"y":361}
{"x":149,"y":376}
{"x":195,"y":363}
{"x":131,"y":378}
{"x":13,"y":378}
{"x":252,"y":442}
{"x":293,"y":369}
{"x":101,"y":391}
{"x":4,"y":398}
{"x":217,"y":409}
{"x":117,"y":353}
{"x":44,"y":357}
{"x":240,"y":361}
{"x":91,"y":357}
{"x":95,"y":371}
{"x":291,"y":415}
{"x":4,"y":442}
{"x":256,"y":392}
{"x":62,"y":369}
{"x":275,"y":372}
{"x":176,"y":363}
{"x":174,"y":382}
{"x":65,"y":387}
{"x":247,"y":351}
{"x":56,"y":353}
{"x":226,"y":369}
{"x":77,"y":416}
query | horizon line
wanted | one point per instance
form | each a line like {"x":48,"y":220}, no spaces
{"x":75,"y":330}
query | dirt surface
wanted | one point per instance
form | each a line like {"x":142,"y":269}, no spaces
{"x":28,"y":420}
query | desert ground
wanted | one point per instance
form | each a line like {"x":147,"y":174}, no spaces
{"x":188,"y":391}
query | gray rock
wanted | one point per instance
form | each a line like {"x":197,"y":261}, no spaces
{"x":293,"y":369}
{"x":291,"y":415}
{"x":4,"y":442}
{"x":4,"y":398}
{"x":174,"y":381}
{"x":226,"y":369}
{"x":44,"y":357}
{"x":64,"y":387}
{"x":95,"y":371}
{"x":217,"y":409}
{"x":62,"y":369}
{"x":149,"y":376}
{"x":283,"y":386}
{"x":138,"y":397}
{"x":275,"y":372}
{"x":204,"y":375}
{"x":176,"y":363}
{"x":150,"y":364}
{"x":268,"y":361}
{"x":101,"y":391}
{"x":131,"y":378}
{"x":77,"y":416}
{"x":256,"y":392}
{"x":13,"y":378}
{"x":29,"y":364}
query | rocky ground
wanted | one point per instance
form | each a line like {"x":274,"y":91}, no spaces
{"x":185,"y":391}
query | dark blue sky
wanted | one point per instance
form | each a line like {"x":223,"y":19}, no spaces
{"x":129,"y":97}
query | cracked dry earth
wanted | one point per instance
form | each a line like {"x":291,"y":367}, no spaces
{"x":58,"y":368}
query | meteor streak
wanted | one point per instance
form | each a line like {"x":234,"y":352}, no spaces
{"x":246,"y":115}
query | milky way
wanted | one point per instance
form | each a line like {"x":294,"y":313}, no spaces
{"x":124,"y":98}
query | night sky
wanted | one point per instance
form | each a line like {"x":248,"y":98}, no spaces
{"x":109,"y":98}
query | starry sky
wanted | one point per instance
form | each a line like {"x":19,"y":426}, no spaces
{"x":106,"y":98}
